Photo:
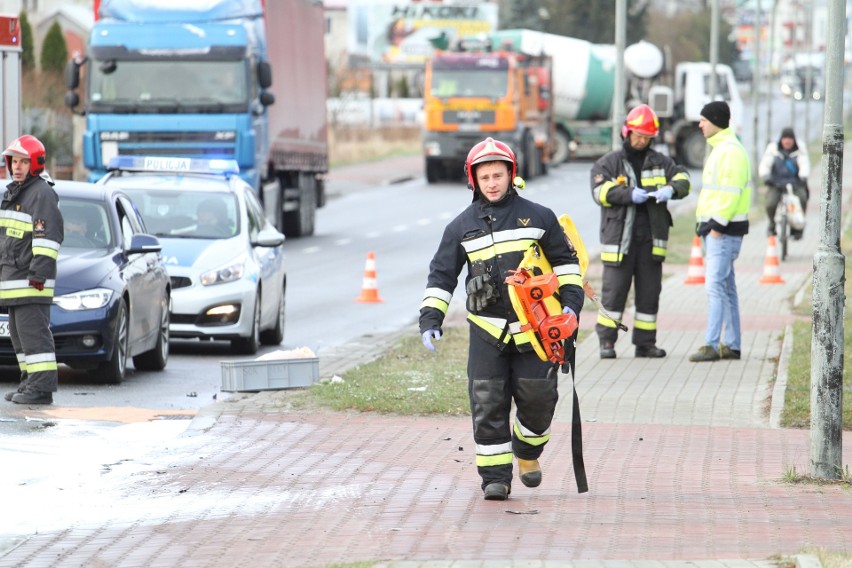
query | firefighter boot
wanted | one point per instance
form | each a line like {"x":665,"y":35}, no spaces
{"x":8,"y":396}
{"x":607,"y":349}
{"x":30,"y":396}
{"x":530,"y":472}
{"x":496,"y":491}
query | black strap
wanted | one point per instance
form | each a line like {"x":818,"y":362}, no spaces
{"x":577,"y":433}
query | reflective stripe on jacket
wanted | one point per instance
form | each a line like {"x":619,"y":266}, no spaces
{"x":725,"y":196}
{"x":617,"y":208}
{"x":498,"y":235}
{"x":31,"y":234}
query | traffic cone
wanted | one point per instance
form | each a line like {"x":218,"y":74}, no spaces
{"x":770,"y":265}
{"x":695,"y":272}
{"x":369,"y":291}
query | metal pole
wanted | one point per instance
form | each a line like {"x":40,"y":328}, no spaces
{"x":755,"y":99}
{"x":618,"y":110}
{"x":714,"y":49}
{"x":829,"y":269}
{"x":809,"y":76}
{"x":794,"y":34}
{"x":769,"y":105}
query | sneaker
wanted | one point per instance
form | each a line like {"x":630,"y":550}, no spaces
{"x":650,"y":351}
{"x":496,"y":492}
{"x":726,"y":352}
{"x":33,"y":397}
{"x":607,"y":350}
{"x":530,"y":472}
{"x":705,"y":353}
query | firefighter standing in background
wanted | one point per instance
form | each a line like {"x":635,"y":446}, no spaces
{"x":31,"y":232}
{"x":633,"y":185}
{"x":491,"y":236}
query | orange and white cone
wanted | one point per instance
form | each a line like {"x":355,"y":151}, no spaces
{"x":369,"y":289}
{"x":695,"y":271}
{"x":771,"y":275}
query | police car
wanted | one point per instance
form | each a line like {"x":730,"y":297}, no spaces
{"x":224,"y":257}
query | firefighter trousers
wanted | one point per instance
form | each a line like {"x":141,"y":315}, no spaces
{"x":29,"y":329}
{"x":638,"y":266}
{"x":495,"y":378}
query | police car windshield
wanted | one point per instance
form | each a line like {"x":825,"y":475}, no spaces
{"x":187,"y":214}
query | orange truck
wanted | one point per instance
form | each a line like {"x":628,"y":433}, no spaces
{"x":470,"y":95}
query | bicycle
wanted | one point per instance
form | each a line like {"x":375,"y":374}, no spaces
{"x":788,"y":217}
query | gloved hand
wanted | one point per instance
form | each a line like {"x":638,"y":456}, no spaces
{"x":568,"y":344}
{"x":639,"y":195}
{"x":37,"y":285}
{"x":480,"y":293}
{"x":663,"y":194}
{"x":567,"y":310}
{"x":428,"y":336}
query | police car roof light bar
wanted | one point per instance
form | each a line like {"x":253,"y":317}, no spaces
{"x":173,"y":165}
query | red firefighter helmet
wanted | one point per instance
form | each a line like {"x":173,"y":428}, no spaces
{"x":489,"y":150}
{"x":26,"y":146}
{"x":641,"y":120}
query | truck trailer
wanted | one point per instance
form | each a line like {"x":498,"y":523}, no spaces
{"x":583,"y":90}
{"x":194,"y":80}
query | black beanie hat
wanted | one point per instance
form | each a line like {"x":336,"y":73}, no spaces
{"x":717,"y":112}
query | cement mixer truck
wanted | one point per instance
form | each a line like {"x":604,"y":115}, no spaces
{"x":583,"y":86}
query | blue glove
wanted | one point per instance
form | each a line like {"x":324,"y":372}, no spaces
{"x":663,"y":194}
{"x":567,"y":310}
{"x":428,"y":336}
{"x":639,"y":195}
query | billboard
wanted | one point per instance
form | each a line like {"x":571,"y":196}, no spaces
{"x":408,"y":33}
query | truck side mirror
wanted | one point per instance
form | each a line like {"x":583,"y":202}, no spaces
{"x":264,"y":74}
{"x":72,"y":75}
{"x":267,"y":98}
{"x":72,"y":99}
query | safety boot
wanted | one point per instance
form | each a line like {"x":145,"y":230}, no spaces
{"x":29,"y":396}
{"x":496,"y":492}
{"x":650,"y":351}
{"x":8,"y":396}
{"x":530,"y":472}
{"x":607,"y":350}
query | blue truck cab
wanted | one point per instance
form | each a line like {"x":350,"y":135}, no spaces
{"x":189,"y":80}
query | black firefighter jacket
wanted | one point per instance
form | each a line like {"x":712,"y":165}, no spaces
{"x":618,"y":211}
{"x":498,"y":235}
{"x":31,"y":233}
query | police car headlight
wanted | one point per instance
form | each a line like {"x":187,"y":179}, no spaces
{"x":85,"y":300}
{"x":228,"y":273}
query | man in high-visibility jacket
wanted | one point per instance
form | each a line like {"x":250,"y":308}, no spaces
{"x":722,"y":215}
{"x":31,"y":233}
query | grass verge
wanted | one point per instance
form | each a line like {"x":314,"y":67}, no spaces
{"x":407,"y":379}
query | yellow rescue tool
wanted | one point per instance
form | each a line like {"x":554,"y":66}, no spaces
{"x":535,"y":263}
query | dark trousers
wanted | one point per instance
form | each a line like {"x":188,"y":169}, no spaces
{"x":495,"y":378}
{"x":773,"y":198}
{"x":29,"y":329}
{"x":638,"y":266}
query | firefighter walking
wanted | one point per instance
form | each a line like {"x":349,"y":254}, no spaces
{"x":31,"y":232}
{"x":633,"y":185}
{"x":491,"y":236}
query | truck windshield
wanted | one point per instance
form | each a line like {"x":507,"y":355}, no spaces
{"x":469,"y":83}
{"x":168,"y":86}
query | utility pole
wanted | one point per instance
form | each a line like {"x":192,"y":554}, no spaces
{"x":809,"y":75}
{"x":829,"y":269}
{"x":755,"y":99}
{"x":714,"y":49}
{"x":618,"y":111}
{"x":772,"y":48}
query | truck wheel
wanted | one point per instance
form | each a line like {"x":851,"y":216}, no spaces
{"x":433,"y":171}
{"x":300,"y":223}
{"x":691,"y":149}
{"x":560,"y":148}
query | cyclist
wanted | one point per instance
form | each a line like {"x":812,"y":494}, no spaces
{"x":784,"y":162}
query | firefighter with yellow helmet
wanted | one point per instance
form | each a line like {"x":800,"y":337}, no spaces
{"x":31,"y":233}
{"x":633,"y":186}
{"x":490,"y":237}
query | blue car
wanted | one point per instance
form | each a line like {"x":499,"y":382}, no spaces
{"x":112,"y":291}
